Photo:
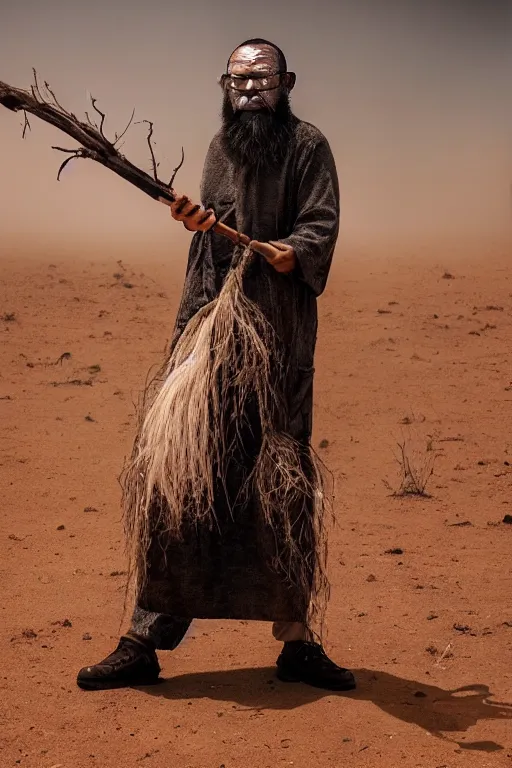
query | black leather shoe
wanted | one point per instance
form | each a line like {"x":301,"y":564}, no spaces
{"x":301,"y":662}
{"x":132,"y":663}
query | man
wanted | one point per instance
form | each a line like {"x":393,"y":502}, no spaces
{"x":273,"y":177}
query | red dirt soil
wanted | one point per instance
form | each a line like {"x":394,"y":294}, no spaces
{"x":405,"y":352}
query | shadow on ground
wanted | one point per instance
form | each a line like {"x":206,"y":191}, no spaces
{"x":438,"y":711}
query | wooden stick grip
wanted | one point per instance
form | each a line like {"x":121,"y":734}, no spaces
{"x":231,"y":234}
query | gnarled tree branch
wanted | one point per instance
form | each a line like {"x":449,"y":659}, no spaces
{"x":94,"y":145}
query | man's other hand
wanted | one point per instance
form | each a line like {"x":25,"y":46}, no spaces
{"x":279,"y":255}
{"x":194,"y":217}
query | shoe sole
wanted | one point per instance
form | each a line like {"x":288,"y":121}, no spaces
{"x":104,"y":685}
{"x":292,"y":679}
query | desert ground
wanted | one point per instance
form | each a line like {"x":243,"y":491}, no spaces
{"x":412,"y":351}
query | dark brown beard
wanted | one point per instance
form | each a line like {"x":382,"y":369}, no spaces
{"x":258,"y":139}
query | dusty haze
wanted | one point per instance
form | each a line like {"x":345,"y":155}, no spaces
{"x":414,"y":100}
{"x":413,"y":349}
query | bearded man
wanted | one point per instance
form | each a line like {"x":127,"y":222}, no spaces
{"x":271,"y":176}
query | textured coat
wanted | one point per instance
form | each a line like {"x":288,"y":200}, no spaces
{"x":226,"y":571}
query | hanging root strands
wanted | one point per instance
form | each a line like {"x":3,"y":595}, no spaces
{"x":226,"y":356}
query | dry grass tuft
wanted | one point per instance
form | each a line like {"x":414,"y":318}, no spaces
{"x":416,"y":459}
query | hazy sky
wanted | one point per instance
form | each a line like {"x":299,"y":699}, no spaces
{"x":414,"y":97}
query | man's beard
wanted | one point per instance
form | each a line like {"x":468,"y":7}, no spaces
{"x":257,"y":139}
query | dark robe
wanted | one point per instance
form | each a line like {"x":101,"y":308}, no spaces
{"x":226,"y":571}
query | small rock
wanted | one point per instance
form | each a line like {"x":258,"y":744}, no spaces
{"x":420,"y":694}
{"x":395,"y":551}
{"x":86,"y":636}
{"x":371,"y":577}
{"x":29,"y":634}
{"x":61,"y":527}
{"x":324,"y":443}
{"x":508,"y":519}
{"x":432,"y":616}
{"x":464,"y":628}
{"x":90,"y":509}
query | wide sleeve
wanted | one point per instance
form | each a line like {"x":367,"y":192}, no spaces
{"x":197,"y":281}
{"x":194,"y":296}
{"x":316,"y":226}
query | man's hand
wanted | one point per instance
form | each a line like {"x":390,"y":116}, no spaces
{"x":193,"y":216}
{"x":279,"y":255}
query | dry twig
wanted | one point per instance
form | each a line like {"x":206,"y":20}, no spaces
{"x":94,"y":144}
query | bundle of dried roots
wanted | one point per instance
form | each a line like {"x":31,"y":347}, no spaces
{"x":226,"y":357}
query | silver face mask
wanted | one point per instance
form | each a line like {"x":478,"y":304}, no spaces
{"x":253,"y":80}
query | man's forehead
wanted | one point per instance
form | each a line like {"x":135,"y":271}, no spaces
{"x":254,"y":57}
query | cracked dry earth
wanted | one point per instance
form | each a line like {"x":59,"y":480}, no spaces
{"x":411,"y":351}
